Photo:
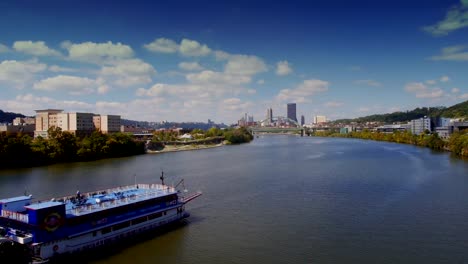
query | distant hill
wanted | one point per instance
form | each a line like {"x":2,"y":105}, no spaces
{"x":456,"y":111}
{"x":7,"y":117}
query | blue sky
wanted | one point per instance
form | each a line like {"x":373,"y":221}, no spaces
{"x":199,"y":60}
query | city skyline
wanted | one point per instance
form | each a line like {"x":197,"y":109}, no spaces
{"x":210,"y":60}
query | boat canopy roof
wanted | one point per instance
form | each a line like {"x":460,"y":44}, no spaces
{"x":42,"y":205}
{"x":14,"y":199}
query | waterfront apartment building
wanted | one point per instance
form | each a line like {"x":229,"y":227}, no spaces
{"x":107,"y":123}
{"x":291,"y":111}
{"x":320,"y":119}
{"x":79,"y":124}
{"x":44,"y":120}
{"x":418,"y":126}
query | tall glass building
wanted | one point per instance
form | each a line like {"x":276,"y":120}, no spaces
{"x":292,"y":111}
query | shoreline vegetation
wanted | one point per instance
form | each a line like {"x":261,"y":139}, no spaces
{"x":457,"y":143}
{"x":169,"y":141}
{"x":22,"y":151}
{"x":176,"y":148}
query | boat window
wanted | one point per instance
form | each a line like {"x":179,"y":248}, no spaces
{"x":121,"y":225}
{"x":153,"y":216}
{"x":106,"y":230}
{"x":139,"y":220}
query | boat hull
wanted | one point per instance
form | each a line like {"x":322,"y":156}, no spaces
{"x":58,"y":250}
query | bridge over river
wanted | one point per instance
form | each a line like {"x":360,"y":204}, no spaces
{"x":278,"y":124}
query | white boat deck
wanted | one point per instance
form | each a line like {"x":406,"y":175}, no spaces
{"x":92,"y":202}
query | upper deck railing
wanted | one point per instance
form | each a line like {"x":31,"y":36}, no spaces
{"x":144,"y":192}
{"x":114,"y":197}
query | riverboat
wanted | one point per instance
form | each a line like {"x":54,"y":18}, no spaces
{"x":43,"y":230}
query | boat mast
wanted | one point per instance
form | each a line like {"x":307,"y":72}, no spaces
{"x":162,"y":177}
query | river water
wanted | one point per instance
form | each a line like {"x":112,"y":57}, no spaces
{"x":287,"y":199}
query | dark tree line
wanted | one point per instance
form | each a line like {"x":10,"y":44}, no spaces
{"x":456,"y":111}
{"x":7,"y":117}
{"x":214,"y":134}
{"x":457,"y":144}
{"x":61,"y":146}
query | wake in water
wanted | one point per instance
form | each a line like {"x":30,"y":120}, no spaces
{"x":315,"y":156}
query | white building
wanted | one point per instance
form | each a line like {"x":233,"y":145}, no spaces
{"x":44,"y":120}
{"x":107,"y":123}
{"x":418,"y":126}
{"x":320,"y":119}
{"x":80,"y":124}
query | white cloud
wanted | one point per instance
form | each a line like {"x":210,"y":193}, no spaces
{"x":244,"y":65}
{"x":444,"y":78}
{"x":261,"y":82}
{"x":187,"y":47}
{"x":363,"y":109}
{"x":3,"y":48}
{"x":162,"y":45}
{"x":415,"y":87}
{"x":333,"y":104}
{"x":368,"y":83}
{"x":232,"y":101}
{"x":219,"y":78}
{"x":431,"y":82}
{"x":156,"y":90}
{"x":456,"y":18}
{"x":103,"y":89}
{"x":235,"y":104}
{"x":303,"y":91}
{"x":66,"y":44}
{"x":193,"y":48}
{"x":190,"y":66}
{"x":433,"y":93}
{"x":71,"y":84}
{"x":27,"y":103}
{"x":455,"y":90}
{"x":420,"y":90}
{"x":394,"y":109}
{"x":128,"y":72}
{"x":464,"y":96}
{"x":20,"y":73}
{"x":98,"y":52}
{"x":206,"y":86}
{"x":148,"y":109}
{"x":453,"y":53}
{"x":221,"y":55}
{"x":56,"y":68}
{"x":251,"y":91}
{"x":283,"y":68}
{"x":37,"y":48}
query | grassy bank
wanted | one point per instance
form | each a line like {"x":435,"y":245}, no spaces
{"x":457,"y":144}
{"x":175,"y":148}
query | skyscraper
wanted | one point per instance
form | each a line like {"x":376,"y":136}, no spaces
{"x":269,"y":115}
{"x":302,"y":120}
{"x":292,"y":111}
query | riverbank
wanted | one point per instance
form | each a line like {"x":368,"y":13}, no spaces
{"x":456,"y":144}
{"x":176,"y":148}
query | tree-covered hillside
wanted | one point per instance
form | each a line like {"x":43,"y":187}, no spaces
{"x":456,"y":111}
{"x":7,"y":117}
